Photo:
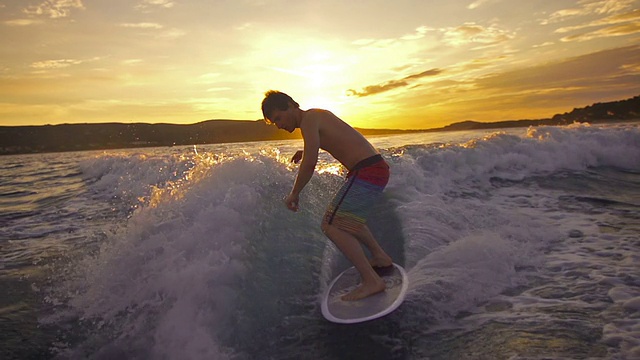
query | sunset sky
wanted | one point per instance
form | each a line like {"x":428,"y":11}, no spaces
{"x":377,"y":64}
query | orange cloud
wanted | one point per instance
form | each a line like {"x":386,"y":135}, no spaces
{"x":393,"y":84}
{"x":528,"y":92}
{"x":618,"y":30}
{"x":631,"y":16}
{"x":608,"y":68}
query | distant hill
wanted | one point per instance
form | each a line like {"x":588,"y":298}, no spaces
{"x":615,"y":111}
{"x":78,"y":137}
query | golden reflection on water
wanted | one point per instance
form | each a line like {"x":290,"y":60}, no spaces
{"x":334,"y":168}
{"x":474,"y":143}
{"x":203,"y":162}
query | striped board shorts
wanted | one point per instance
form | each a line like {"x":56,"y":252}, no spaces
{"x":363,"y":186}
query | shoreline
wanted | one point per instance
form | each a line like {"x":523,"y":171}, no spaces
{"x":16,"y":140}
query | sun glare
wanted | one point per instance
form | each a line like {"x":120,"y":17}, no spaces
{"x":324,"y":80}
{"x":321,"y":102}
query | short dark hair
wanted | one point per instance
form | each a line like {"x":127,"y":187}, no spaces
{"x":276,"y":100}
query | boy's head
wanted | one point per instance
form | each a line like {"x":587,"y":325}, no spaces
{"x":275,"y":100}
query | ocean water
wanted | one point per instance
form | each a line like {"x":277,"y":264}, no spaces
{"x":519,"y":244}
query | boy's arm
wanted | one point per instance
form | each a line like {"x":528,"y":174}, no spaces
{"x":311,"y":135}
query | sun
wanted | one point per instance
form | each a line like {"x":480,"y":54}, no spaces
{"x":322,"y":102}
{"x":324,"y":76}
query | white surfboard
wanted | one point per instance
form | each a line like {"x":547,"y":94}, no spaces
{"x":336,"y":310}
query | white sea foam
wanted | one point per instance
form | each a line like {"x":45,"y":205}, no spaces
{"x":170,"y":278}
{"x":468,"y":224}
{"x":133,"y":175}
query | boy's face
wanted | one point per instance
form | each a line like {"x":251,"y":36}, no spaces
{"x":283,"y":119}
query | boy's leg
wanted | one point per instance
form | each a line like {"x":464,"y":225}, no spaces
{"x":379,"y":257}
{"x":344,"y":223}
{"x":350,"y":247}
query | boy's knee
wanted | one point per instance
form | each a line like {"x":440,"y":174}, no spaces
{"x":328,"y":228}
{"x":325,"y":226}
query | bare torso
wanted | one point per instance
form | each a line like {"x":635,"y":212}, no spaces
{"x":342,"y":141}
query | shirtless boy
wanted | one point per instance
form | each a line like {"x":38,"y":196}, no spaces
{"x":345,"y":220}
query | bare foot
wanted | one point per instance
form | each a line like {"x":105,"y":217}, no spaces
{"x":380,"y":262}
{"x":365,"y":290}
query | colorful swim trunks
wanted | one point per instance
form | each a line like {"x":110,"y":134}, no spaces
{"x":355,"y":199}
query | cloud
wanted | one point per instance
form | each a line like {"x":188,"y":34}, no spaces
{"x":244,"y":26}
{"x":476,"y":4}
{"x":173,"y":34}
{"x":22,"y":22}
{"x":590,"y":7}
{"x":54,"y":8}
{"x":165,"y":34}
{"x":431,"y":72}
{"x":147,"y":4}
{"x":473,"y":33}
{"x":608,"y":68}
{"x":142,"y":25}
{"x":620,"y":24}
{"x":618,"y":30}
{"x":418,"y":34}
{"x":609,"y":20}
{"x":58,"y":63}
{"x":132,"y":61}
{"x":546,"y":43}
{"x":467,"y":33}
{"x":393,"y":84}
{"x":467,"y":67}
{"x":533,"y":91}
{"x":55,"y":64}
{"x":208,"y":78}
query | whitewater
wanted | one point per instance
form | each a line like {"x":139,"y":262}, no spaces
{"x":518,"y":243}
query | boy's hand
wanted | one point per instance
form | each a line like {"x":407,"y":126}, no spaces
{"x":297,"y":157}
{"x":292,"y":202}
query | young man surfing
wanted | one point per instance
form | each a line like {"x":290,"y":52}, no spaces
{"x":345,"y":219}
